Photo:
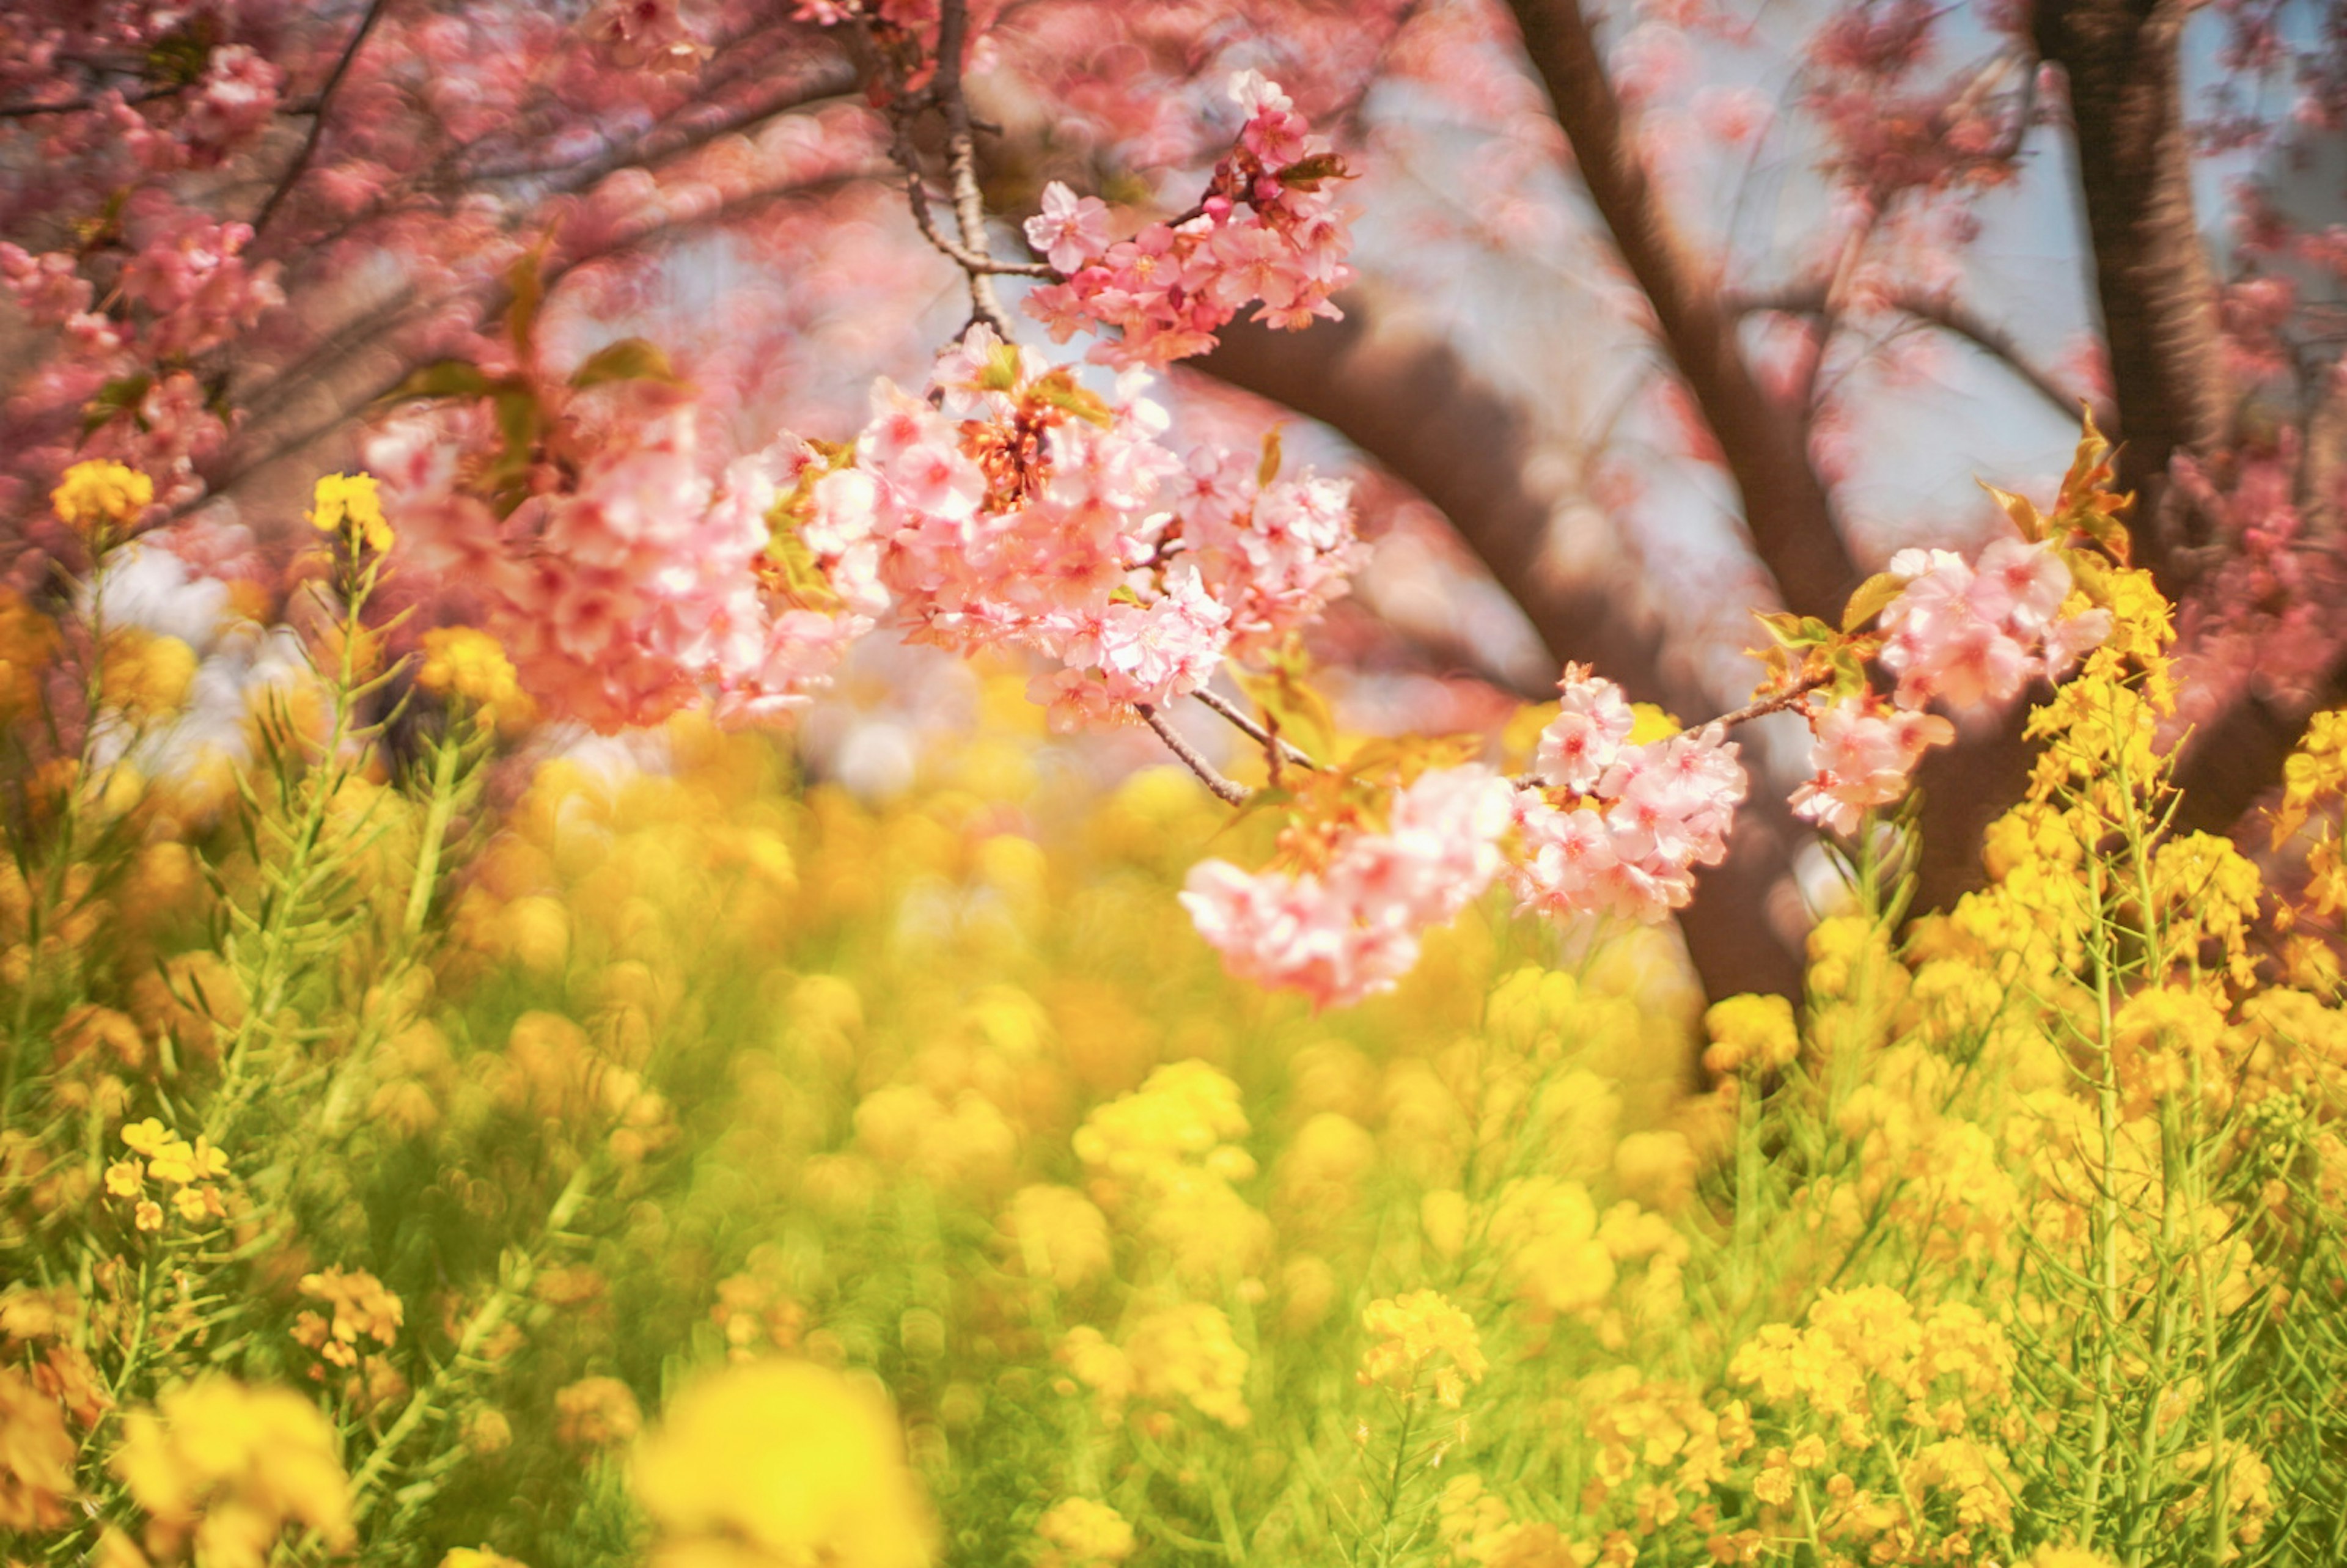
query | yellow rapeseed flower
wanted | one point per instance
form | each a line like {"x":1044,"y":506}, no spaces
{"x":1186,"y":1353}
{"x":782,"y":1463}
{"x":350,"y":505}
{"x":95,"y":493}
{"x":233,"y":1467}
{"x":1751,"y":1031}
{"x":1081,"y":1533}
{"x":459,"y":661}
{"x":1409,"y":1332}
{"x":37,"y":1456}
{"x":596,"y":1413}
{"x":27,"y":637}
{"x":1058,"y":1236}
{"x":361,"y":1307}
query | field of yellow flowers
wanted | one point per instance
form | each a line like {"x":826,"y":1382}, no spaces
{"x":412,"y":1153}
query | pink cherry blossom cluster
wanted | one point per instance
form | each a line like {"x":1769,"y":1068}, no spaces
{"x":232,"y":103}
{"x":1276,"y":554}
{"x":1017,"y":509}
{"x":1350,"y":928}
{"x":186,"y":289}
{"x":646,"y":35}
{"x":1969,"y":635}
{"x":1973,"y":635}
{"x":629,"y":591}
{"x":1614,"y":828}
{"x":1269,"y":231}
{"x":1863,"y":753}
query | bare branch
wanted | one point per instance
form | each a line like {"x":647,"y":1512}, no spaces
{"x":1948,"y":314}
{"x":83,"y":106}
{"x":1288,"y":751}
{"x":1764,"y":443}
{"x":1224,"y":788}
{"x":301,"y":163}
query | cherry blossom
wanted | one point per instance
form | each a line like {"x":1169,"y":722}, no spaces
{"x":1069,"y":231}
{"x":1350,"y":929}
{"x":1973,"y":635}
{"x":1863,"y":753}
{"x":1608,"y":826}
{"x":1269,"y":231}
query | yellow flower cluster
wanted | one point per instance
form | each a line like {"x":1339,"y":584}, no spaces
{"x":596,"y":1413}
{"x":1179,"y":1355}
{"x":37,"y":1456}
{"x":189,"y":1168}
{"x":781,"y":1463}
{"x":359,"y":1308}
{"x":1077,"y":1532}
{"x":350,"y":505}
{"x":99,"y":494}
{"x":1476,"y":1527}
{"x":1409,"y":1332}
{"x":27,"y":640}
{"x":1752,"y":1033}
{"x":1059,"y":1234}
{"x":223,"y":1469}
{"x":459,"y":662}
{"x":1164,"y":1159}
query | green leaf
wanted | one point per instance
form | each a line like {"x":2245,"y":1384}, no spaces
{"x":1790,"y":630}
{"x":1058,"y":390}
{"x":1269,"y":469}
{"x":113,"y":400}
{"x":443,"y":378}
{"x":1287,"y":700}
{"x":528,"y":285}
{"x":801,"y":573}
{"x":630,"y":359}
{"x":2020,"y":508}
{"x":518,"y":418}
{"x":1872,"y":598}
{"x":1001,"y":370}
{"x":1307,"y":173}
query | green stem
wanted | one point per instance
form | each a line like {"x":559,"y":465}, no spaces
{"x":436,"y":828}
{"x":479,"y":1328}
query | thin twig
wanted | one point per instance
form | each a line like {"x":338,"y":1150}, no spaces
{"x":1288,"y":750}
{"x":318,"y":115}
{"x":86,"y":106}
{"x":1234,"y":794}
{"x":917,"y":197}
{"x":1767,"y":705}
{"x":1946,"y":313}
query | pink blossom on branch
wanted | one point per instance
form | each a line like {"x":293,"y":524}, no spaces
{"x":1070,"y":230}
{"x":1626,"y":839}
{"x":1268,"y":233}
{"x":1975,"y":635}
{"x":1350,"y":929}
{"x":1863,"y":753}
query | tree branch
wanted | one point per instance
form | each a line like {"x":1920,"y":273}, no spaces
{"x":1949,"y":314}
{"x":2152,"y":276}
{"x":1288,"y":751}
{"x":1415,"y":407}
{"x":1235,"y":795}
{"x":1786,"y":507}
{"x":301,"y":163}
